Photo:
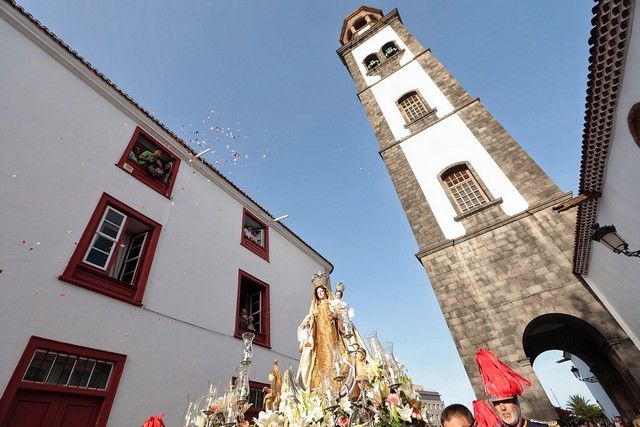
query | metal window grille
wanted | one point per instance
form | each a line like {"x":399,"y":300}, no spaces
{"x":256,"y":397}
{"x":50,"y":367}
{"x":465,"y":189}
{"x":390,"y":49}
{"x":371,"y":61}
{"x":413,"y":106}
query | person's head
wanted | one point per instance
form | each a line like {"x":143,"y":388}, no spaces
{"x":137,"y":150}
{"x":339,"y":290}
{"x":583,"y":423}
{"x":457,"y":415}
{"x":636,"y":422}
{"x":508,"y":410}
{"x":321,"y":293}
{"x":157,"y":153}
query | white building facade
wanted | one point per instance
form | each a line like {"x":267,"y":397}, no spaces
{"x":129,"y":268}
{"x":611,"y":153}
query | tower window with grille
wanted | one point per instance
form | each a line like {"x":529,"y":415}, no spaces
{"x":390,"y":49}
{"x":371,"y":61}
{"x":413,"y":106}
{"x":464,"y":188}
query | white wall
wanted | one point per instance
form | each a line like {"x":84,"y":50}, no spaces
{"x":614,"y":278}
{"x":595,"y":388}
{"x":373,"y":45}
{"x":434,"y":149}
{"x":61,"y":140}
{"x":411,"y":77}
{"x":446,"y":143}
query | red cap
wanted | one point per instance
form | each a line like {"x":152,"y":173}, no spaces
{"x":485,"y":415}
{"x":500,"y":381}
{"x":155,"y":421}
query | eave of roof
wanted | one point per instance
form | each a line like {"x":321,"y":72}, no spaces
{"x":88,"y":65}
{"x":608,"y":44}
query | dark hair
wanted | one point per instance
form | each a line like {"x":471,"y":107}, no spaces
{"x":456,"y":410}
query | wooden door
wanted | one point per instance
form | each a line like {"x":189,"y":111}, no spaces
{"x":47,"y":409}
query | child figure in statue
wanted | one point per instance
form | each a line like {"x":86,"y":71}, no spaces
{"x":341,"y":308}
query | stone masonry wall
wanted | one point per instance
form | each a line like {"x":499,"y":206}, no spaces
{"x":412,"y":198}
{"x":492,"y":286}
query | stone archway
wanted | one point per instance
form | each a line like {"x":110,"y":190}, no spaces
{"x":558,"y":331}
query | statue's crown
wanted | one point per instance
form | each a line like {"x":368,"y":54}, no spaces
{"x":320,"y":279}
{"x":340,"y":286}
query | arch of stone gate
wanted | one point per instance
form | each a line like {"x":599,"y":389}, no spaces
{"x":557,"y":331}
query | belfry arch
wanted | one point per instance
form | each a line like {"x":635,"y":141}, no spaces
{"x":558,"y":331}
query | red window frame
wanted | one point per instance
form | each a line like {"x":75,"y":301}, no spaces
{"x":253,"y":410}
{"x":263,"y":338}
{"x":87,"y":276}
{"x":140,"y":173}
{"x":261,"y":251}
{"x":17,"y":383}
{"x":634,"y":122}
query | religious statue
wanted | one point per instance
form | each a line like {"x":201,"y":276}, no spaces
{"x":271,"y":399}
{"x":341,"y":308}
{"x":322,"y":344}
{"x":356,"y":348}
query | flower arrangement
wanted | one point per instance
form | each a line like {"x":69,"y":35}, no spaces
{"x":382,"y":396}
{"x":377,"y":404}
{"x":362,"y":387}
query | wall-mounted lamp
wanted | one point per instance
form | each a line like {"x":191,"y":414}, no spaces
{"x":576,"y":373}
{"x":608,"y":236}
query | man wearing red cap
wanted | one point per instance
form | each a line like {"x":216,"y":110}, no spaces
{"x":502,"y":386}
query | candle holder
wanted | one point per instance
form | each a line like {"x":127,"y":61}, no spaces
{"x":247,"y":352}
{"x":374,"y":345}
{"x":390,"y":366}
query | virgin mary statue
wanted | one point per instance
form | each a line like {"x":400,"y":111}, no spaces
{"x":320,"y":340}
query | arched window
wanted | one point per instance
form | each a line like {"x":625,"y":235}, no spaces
{"x":413,"y":106}
{"x":464,"y":188}
{"x":634,"y":122}
{"x":389,"y":49}
{"x":371,"y":61}
{"x":360,"y":22}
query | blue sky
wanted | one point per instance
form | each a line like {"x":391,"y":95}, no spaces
{"x":267,"y":76}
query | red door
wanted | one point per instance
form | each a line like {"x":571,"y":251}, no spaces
{"x":46,"y":409}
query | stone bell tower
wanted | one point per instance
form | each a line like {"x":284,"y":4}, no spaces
{"x":498,"y":257}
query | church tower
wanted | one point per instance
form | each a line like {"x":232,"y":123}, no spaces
{"x":498,"y":256}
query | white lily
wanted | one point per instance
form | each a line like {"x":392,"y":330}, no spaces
{"x":200,"y":421}
{"x":269,"y":419}
{"x":345,"y":404}
{"x":404,"y":412}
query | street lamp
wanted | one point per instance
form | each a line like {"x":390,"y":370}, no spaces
{"x":576,"y":373}
{"x":608,"y":236}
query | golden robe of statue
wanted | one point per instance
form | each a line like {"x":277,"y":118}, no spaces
{"x":321,"y":339}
